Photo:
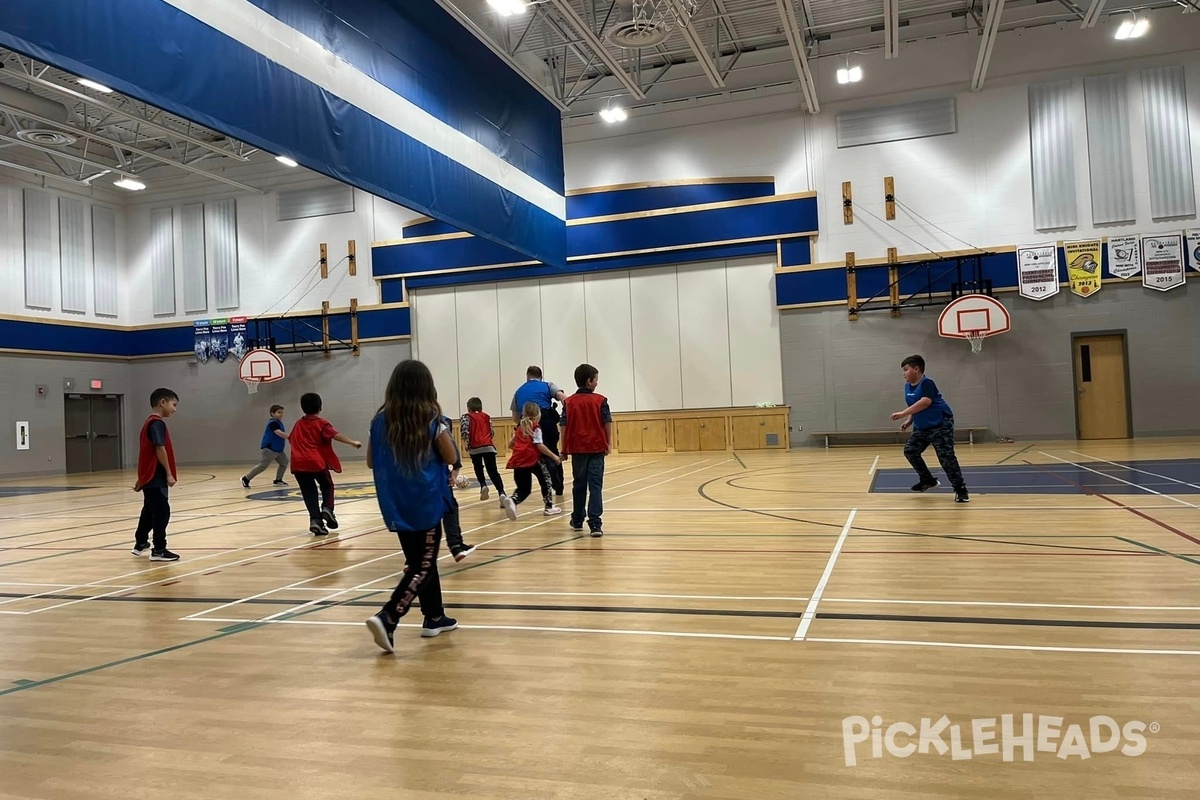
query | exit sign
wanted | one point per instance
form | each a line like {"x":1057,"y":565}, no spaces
{"x":97,"y":384}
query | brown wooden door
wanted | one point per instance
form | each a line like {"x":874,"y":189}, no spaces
{"x":712,"y":434}
{"x":1101,"y":392}
{"x":687,"y":435}
{"x":747,"y":433}
{"x":629,"y":436}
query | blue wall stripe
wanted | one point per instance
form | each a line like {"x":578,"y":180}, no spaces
{"x":646,"y":198}
{"x":55,"y":338}
{"x":423,"y":54}
{"x":151,"y":51}
{"x":796,"y":252}
{"x":683,"y":230}
{"x":391,"y":288}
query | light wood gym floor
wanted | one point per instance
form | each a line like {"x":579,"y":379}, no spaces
{"x":739,"y":609}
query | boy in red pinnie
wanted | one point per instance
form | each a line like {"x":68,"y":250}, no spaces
{"x":312,"y":439}
{"x":156,"y":474}
{"x":479,"y":437}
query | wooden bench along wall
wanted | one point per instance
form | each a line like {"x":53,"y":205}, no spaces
{"x":889,"y":435}
{"x":688,"y":431}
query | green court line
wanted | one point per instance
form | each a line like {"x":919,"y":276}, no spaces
{"x":240,"y":628}
{"x":1014,"y":455}
{"x":1145,"y":546}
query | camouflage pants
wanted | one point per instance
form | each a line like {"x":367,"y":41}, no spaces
{"x":941,"y":436}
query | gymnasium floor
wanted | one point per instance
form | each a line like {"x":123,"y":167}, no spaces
{"x":734,"y":635}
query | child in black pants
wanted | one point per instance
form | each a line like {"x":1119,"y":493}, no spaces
{"x":450,"y":524}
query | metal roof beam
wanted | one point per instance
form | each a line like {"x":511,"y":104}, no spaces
{"x":796,"y":42}
{"x":590,"y":38}
{"x":991,"y":27}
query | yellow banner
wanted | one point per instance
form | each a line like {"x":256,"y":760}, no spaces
{"x":1084,"y":260}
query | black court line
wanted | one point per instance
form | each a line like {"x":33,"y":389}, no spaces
{"x":691,"y":612}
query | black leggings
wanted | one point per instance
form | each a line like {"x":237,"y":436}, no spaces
{"x":524,"y":477}
{"x":309,"y":481}
{"x":482,"y":461}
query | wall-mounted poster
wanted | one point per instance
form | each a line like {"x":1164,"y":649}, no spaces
{"x":1192,"y":240}
{"x":1083,"y":266}
{"x":1124,"y":256}
{"x":1037,"y":270}
{"x":1162,"y":261}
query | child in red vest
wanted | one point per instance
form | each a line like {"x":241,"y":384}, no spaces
{"x":479,"y":437}
{"x":587,"y":432}
{"x":156,"y":474}
{"x":312,"y":441}
{"x":525,"y":459}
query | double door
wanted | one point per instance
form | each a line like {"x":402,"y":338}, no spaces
{"x":93,"y":430}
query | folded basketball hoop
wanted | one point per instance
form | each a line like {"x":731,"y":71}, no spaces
{"x":258,"y":367}
{"x":974,"y":317}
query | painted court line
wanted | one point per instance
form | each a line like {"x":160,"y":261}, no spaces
{"x":1121,"y":480}
{"x":1135,"y":469}
{"x":360,"y":587}
{"x":810,"y":612}
{"x":868,"y":601}
{"x":536,"y":628}
{"x":1024,"y":647}
{"x":874,"y":464}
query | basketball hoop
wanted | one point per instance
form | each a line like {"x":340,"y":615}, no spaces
{"x":260,"y":366}
{"x":974,"y":317}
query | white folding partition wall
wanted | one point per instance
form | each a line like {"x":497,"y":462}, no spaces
{"x":41,"y":250}
{"x":1168,"y":143}
{"x":1110,"y":154}
{"x":72,"y":247}
{"x":223,"y":219}
{"x":162,"y":261}
{"x":1052,"y":146}
{"x":104,"y":261}
{"x":193,"y":262}
{"x":693,"y":336}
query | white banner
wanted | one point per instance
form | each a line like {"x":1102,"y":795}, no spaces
{"x":1037,"y":270}
{"x":1124,"y":256}
{"x":1162,"y":262}
{"x":1193,"y":249}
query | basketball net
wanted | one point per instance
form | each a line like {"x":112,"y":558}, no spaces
{"x":252,"y":384}
{"x":976,"y":339}
{"x":664,"y":14}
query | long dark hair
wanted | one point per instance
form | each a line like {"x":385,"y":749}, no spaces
{"x":409,"y":405}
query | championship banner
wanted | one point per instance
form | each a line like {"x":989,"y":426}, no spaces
{"x":237,"y":338}
{"x":1162,"y":262}
{"x":202,"y":333}
{"x":219,"y":340}
{"x":1193,"y":249}
{"x":1124,"y":256}
{"x":1083,"y":265}
{"x":1037,"y":270}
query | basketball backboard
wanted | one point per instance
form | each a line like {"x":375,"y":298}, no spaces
{"x":260,"y":366}
{"x":974,"y":317}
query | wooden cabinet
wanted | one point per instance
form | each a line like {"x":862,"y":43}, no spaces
{"x":641,"y":435}
{"x":760,"y":431}
{"x":695,"y":434}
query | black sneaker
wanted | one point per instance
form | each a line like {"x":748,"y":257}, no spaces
{"x":382,"y":631}
{"x":141,"y":550}
{"x":317,"y":527}
{"x":245,"y":482}
{"x":461,"y":553}
{"x":577,"y":526}
{"x":922,"y":486}
{"x":597,"y":533}
{"x":961,"y":495}
{"x":433,"y":627}
{"x":163,"y":555}
{"x":330,"y":519}
{"x":276,"y":483}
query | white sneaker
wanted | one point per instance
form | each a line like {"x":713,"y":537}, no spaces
{"x":483,"y":493}
{"x":510,"y":508}
{"x":552,"y":511}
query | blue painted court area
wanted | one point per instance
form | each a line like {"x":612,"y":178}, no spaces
{"x":1178,"y":476}
{"x":25,"y":491}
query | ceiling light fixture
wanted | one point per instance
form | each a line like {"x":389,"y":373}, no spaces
{"x":129,"y":183}
{"x":99,"y":87}
{"x":1133,"y":28}
{"x":287,"y":162}
{"x":612,"y":114}
{"x":506,"y":8}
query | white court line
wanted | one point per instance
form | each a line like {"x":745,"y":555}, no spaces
{"x":1026,"y":647}
{"x":868,"y":601}
{"x":360,"y":587}
{"x":811,"y":611}
{"x":539,"y":628}
{"x":270,"y":554}
{"x":1134,"y":469}
{"x":627,"y":594}
{"x":866,"y":509}
{"x":874,"y":464}
{"x":1115,"y":478}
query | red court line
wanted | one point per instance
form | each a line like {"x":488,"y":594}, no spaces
{"x":1117,"y":503}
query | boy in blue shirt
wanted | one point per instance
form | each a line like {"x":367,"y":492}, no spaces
{"x":271,"y":449}
{"x":932,"y":422}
